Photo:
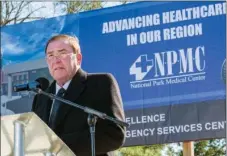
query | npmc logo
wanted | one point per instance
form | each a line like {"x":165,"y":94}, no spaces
{"x":169,"y":63}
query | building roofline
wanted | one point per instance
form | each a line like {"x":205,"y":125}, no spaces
{"x":25,"y":66}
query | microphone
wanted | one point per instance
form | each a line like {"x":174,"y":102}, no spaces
{"x":41,"y":83}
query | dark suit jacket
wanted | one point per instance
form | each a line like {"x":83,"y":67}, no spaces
{"x":98,"y":91}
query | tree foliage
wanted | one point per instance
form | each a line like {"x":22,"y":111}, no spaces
{"x":154,"y":150}
{"x":213,"y":147}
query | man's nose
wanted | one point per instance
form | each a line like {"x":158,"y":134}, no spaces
{"x":56,"y":59}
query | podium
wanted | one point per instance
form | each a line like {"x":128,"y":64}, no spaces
{"x":27,"y":135}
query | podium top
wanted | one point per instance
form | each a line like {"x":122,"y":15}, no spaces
{"x":39,"y":139}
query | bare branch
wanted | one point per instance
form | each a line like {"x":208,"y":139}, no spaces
{"x":20,"y":11}
{"x":17,"y":12}
{"x":29,"y":15}
{"x":78,"y":6}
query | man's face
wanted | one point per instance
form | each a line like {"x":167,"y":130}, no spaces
{"x":62,"y":61}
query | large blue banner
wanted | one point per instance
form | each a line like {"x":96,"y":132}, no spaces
{"x":162,"y":55}
{"x":168,"y":58}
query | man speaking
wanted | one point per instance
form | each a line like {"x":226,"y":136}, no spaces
{"x":97,"y":91}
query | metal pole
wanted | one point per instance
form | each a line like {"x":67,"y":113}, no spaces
{"x":18,"y":138}
{"x":10,"y":86}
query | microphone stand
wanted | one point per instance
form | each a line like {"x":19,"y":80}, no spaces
{"x":91,"y":122}
{"x":92,"y":115}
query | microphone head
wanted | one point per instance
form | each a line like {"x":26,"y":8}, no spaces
{"x":43,"y":83}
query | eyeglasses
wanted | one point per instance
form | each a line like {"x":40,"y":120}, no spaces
{"x":60,"y":55}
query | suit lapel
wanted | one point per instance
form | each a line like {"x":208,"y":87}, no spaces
{"x":74,"y":90}
{"x":76,"y":86}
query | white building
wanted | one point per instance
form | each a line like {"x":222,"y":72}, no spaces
{"x":20,"y":73}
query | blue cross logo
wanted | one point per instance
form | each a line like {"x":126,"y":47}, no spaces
{"x":144,"y":63}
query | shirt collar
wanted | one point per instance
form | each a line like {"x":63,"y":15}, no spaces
{"x":65,"y":86}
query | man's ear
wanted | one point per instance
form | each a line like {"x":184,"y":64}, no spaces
{"x":79,"y":58}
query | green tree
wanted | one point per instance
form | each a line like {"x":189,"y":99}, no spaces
{"x":153,"y":150}
{"x":213,"y":147}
